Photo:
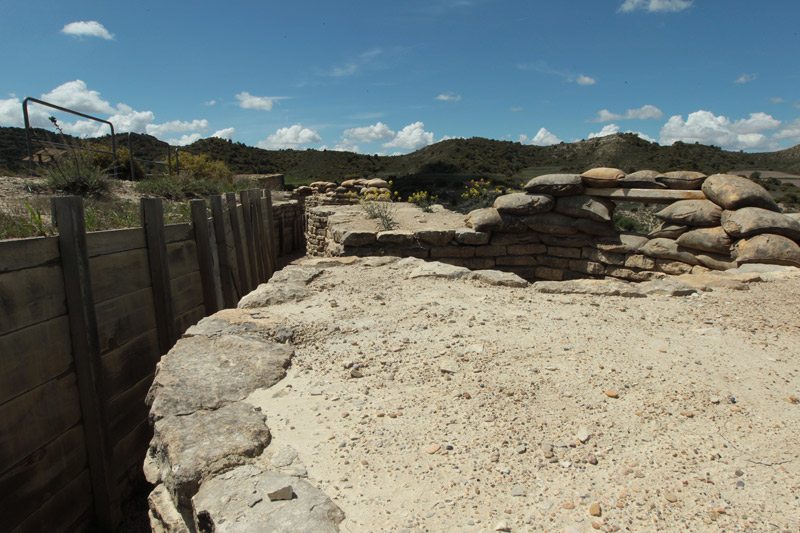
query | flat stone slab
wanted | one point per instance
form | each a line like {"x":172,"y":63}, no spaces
{"x":206,"y":373}
{"x":185,"y":450}
{"x":594,"y":287}
{"x":273,"y":294}
{"x":495,"y":277}
{"x":223,"y":505}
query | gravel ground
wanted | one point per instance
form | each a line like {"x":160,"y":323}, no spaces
{"x":431,"y":404}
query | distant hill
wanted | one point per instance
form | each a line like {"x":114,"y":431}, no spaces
{"x":452,"y":160}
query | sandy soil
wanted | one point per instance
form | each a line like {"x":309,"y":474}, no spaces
{"x":407,"y":216}
{"x":447,"y":405}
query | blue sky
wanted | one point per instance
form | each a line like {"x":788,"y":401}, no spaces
{"x":391,"y":77}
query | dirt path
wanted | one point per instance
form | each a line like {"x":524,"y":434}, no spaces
{"x":448,"y":405}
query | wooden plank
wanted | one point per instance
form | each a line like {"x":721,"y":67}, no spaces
{"x":647,"y":196}
{"x":186,"y":293}
{"x":130,"y":450}
{"x":127,"y":410}
{"x":202,"y":239}
{"x":115,"y":241}
{"x":118,"y":274}
{"x":32,"y":356}
{"x":190,"y":318}
{"x":31,"y":296}
{"x":33,"y":419}
{"x":121,"y":319}
{"x":249,"y":232}
{"x":128,"y":364}
{"x":264,"y":237}
{"x":66,"y":509}
{"x":178,"y":232}
{"x":240,"y":244}
{"x":153,"y":222}
{"x":28,"y":253}
{"x":182,"y":258}
{"x":69,"y":217}
{"x":225,"y":270}
{"x":29,"y":484}
{"x":273,"y":246}
{"x":234,"y":267}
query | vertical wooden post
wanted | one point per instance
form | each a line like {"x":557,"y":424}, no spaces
{"x":271,"y":233}
{"x":225,"y":270}
{"x":239,"y":244}
{"x":202,"y":239}
{"x":153,"y":223}
{"x":247,"y":215}
{"x":263,"y":235}
{"x":69,"y":217}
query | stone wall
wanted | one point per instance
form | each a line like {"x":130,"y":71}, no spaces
{"x":562,"y":228}
{"x":289,"y":219}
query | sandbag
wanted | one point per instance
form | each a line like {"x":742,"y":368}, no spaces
{"x":734,"y":192}
{"x":686,"y":180}
{"x":489,"y":219}
{"x":642,"y":179}
{"x":767,"y":248}
{"x":668,"y":249}
{"x":602,"y":177}
{"x":749,"y":221}
{"x":554,"y":223}
{"x":555,"y":185}
{"x":714,"y":240}
{"x":701,"y":213}
{"x":668,"y":230}
{"x":581,"y":206}
{"x":523,"y":204}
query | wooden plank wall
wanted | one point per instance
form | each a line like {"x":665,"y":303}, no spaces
{"x":46,"y":477}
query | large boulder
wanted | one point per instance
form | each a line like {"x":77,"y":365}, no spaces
{"x":523,"y":204}
{"x":734,"y":192}
{"x":682,"y":179}
{"x":767,"y":248}
{"x":207,"y":373}
{"x":749,"y":221}
{"x":701,"y":213}
{"x":602,"y":177}
{"x":555,"y":185}
{"x":714,"y":240}
{"x":581,"y":206}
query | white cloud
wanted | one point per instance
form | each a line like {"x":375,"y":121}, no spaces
{"x":791,"y":132}
{"x":265,"y":103}
{"x":585,"y":80}
{"x":346,"y":145}
{"x":90,"y":28}
{"x":412,"y":137}
{"x":76,"y":95}
{"x":516,"y":109}
{"x":291,"y":137}
{"x":608,"y":129}
{"x":184,"y":140}
{"x":11,"y":114}
{"x":176,"y":126}
{"x":706,"y":128}
{"x":356,"y":64}
{"x":448,"y":97}
{"x":542,"y":138}
{"x":655,"y":6}
{"x":346,"y":70}
{"x":376,"y":132}
{"x":449,"y":137}
{"x":210,"y":102}
{"x":745,"y":78}
{"x":643,"y":113}
{"x":776,"y":100}
{"x":225,"y":133}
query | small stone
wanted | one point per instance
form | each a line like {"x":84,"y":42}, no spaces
{"x":284,"y":493}
{"x":568,"y":506}
{"x":521,"y":449}
{"x":502,"y":526}
{"x":612,"y":394}
{"x":687,"y":414}
{"x":253,"y":498}
{"x":583,"y":434}
{"x":518,"y":490}
{"x":670,"y":497}
{"x":595,"y":509}
{"x":355,"y":373}
{"x":432,"y":448}
{"x":592,"y":459}
{"x":715,"y":399}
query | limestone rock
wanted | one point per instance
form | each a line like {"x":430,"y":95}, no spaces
{"x":668,"y":249}
{"x":468,"y":236}
{"x":714,"y":240}
{"x":206,"y":373}
{"x":296,"y":275}
{"x":350,"y":237}
{"x":435,"y":269}
{"x":602,"y":177}
{"x":395,"y":236}
{"x":701,"y":213}
{"x":555,"y":185}
{"x":435,"y":237}
{"x":666,"y":287}
{"x":594,"y":287}
{"x":767,"y":248}
{"x":495,"y":277}
{"x":164,"y":516}
{"x":749,"y":221}
{"x":682,"y":179}
{"x":581,"y":206}
{"x":523,"y":204}
{"x":221,"y":504}
{"x":188,"y":449}
{"x":268,"y":294}
{"x":734,"y":192}
{"x":554,"y":223}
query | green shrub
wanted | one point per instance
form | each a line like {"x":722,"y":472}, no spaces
{"x":76,"y":174}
